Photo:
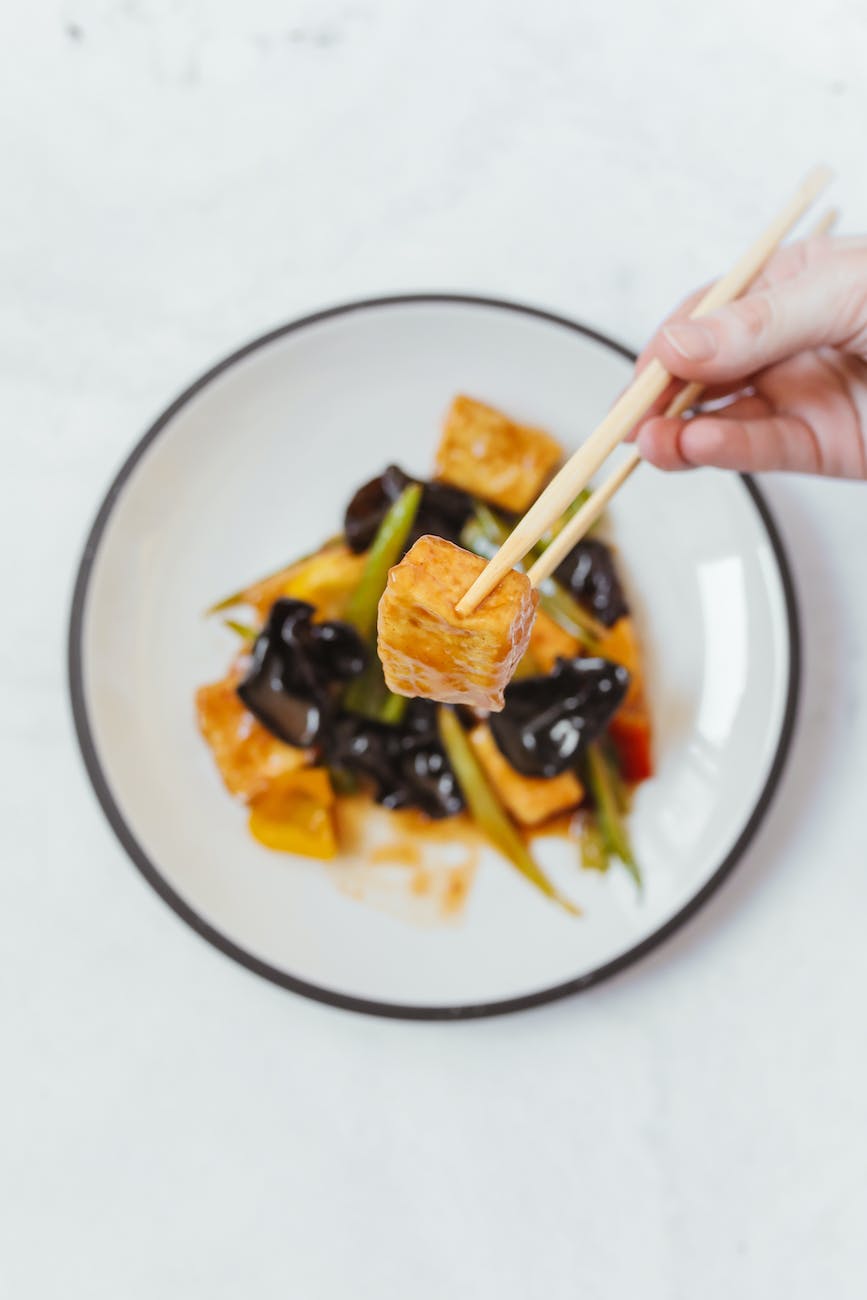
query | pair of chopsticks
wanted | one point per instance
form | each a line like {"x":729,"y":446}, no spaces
{"x":622,"y":418}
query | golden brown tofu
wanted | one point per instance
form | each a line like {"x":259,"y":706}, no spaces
{"x":428,"y":649}
{"x":530,"y":799}
{"x":550,"y":642}
{"x":486,"y":454}
{"x":620,"y":645}
{"x":250,"y":759}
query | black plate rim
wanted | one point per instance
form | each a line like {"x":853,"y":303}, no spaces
{"x":333,"y":997}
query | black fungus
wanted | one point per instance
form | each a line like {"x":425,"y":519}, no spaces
{"x":548,"y":721}
{"x":443,"y":510}
{"x":294,"y":664}
{"x":406,"y":763}
{"x":589,"y":572}
{"x":361,"y":747}
{"x":339,"y":650}
{"x":366,"y":512}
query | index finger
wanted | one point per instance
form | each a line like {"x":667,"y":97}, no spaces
{"x":786,"y":263}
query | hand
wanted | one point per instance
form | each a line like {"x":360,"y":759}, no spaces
{"x":792,"y":358}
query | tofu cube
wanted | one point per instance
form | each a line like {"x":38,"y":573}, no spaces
{"x":550,"y":642}
{"x":621,"y":645}
{"x":428,"y":649}
{"x":249,"y":758}
{"x":530,"y":799}
{"x":489,"y":456}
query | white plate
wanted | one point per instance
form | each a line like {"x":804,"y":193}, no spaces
{"x":251,"y":466}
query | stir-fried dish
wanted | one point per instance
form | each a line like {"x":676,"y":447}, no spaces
{"x":355,"y":675}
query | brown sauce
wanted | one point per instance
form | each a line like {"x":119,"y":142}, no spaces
{"x":404,"y":862}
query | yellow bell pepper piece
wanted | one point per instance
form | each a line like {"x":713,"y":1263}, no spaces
{"x":295,"y":815}
{"x":326,"y":580}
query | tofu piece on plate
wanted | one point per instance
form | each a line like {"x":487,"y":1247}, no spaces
{"x":489,"y":456}
{"x":550,"y":642}
{"x":530,"y":799}
{"x":249,"y":758}
{"x":621,"y":645}
{"x":428,"y":649}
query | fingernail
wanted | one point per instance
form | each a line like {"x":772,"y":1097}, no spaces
{"x":692,"y":339}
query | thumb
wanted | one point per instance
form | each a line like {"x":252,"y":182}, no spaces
{"x":823,"y":307}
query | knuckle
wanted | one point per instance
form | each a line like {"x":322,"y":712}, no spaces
{"x":756,"y":316}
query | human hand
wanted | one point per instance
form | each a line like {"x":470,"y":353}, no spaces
{"x":792,"y":358}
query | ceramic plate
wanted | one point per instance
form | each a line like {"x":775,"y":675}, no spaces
{"x":251,"y":466}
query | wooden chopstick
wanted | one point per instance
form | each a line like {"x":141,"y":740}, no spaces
{"x":635,"y":402}
{"x":586,"y":517}
{"x":826,"y":222}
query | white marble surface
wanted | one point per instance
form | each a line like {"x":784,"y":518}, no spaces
{"x":176,"y":178}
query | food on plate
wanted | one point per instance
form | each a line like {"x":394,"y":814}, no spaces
{"x":294,"y":814}
{"x":589,"y":573}
{"x":549,"y":721}
{"x":486,"y":454}
{"x":549,"y":641}
{"x":531,"y":800}
{"x":442,"y":511}
{"x":249,"y":757}
{"x":354,"y":681}
{"x":287,"y":683}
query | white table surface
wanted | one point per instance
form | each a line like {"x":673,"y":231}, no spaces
{"x":176,"y":178}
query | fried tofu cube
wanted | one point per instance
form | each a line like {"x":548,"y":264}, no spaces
{"x":489,"y":456}
{"x":249,"y":758}
{"x":428,"y":649}
{"x":550,"y":642}
{"x":620,"y":644}
{"x":530,"y":799}
{"x":631,"y":727}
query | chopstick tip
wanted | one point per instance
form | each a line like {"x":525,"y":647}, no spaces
{"x":826,"y":222}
